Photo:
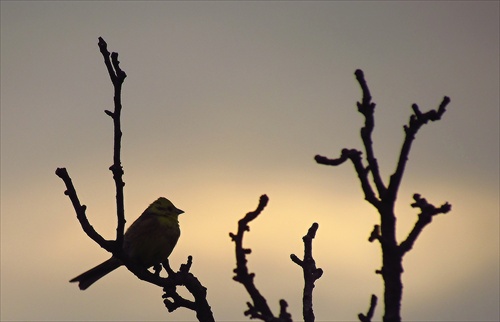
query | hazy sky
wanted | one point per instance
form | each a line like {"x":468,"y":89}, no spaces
{"x":225,"y":101}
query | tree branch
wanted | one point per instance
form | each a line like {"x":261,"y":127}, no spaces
{"x":259,"y":308}
{"x":311,"y":273}
{"x":367,"y":108}
{"x":284,"y":315}
{"x":416,"y":121}
{"x":355,"y":157}
{"x":80,"y":212}
{"x":375,"y":234}
{"x":173,"y":300}
{"x":424,"y":218}
{"x":371,"y":310}
{"x":117,"y":76}
{"x":333,"y":162}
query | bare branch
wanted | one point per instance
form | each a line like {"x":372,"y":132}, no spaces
{"x":80,"y":212}
{"x":117,"y":76}
{"x":114,"y":71}
{"x":416,"y":121}
{"x":375,"y":234}
{"x":103,"y":47}
{"x":362,"y":172}
{"x":311,"y":273}
{"x":284,"y":315}
{"x":369,"y":315}
{"x":367,"y":108}
{"x":355,"y":156}
{"x":173,"y":300}
{"x":334,"y":162}
{"x":424,"y":218}
{"x":241,"y":271}
{"x":259,"y":308}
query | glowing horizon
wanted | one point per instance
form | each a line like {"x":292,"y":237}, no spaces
{"x":227,"y":101}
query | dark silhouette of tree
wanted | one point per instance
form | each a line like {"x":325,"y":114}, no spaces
{"x":183,"y":277}
{"x":259,"y":308}
{"x":384,"y":198}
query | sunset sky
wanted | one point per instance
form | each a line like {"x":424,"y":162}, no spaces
{"x":224,"y":102}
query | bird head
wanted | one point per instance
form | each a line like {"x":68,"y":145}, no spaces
{"x":164,"y":207}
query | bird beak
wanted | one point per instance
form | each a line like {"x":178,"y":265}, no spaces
{"x":179,"y":211}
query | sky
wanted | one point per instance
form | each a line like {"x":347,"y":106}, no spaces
{"x":224,"y":102}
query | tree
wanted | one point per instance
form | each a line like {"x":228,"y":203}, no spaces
{"x":384,"y":201}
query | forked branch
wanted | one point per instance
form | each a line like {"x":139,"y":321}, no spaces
{"x":311,"y":273}
{"x":367,"y":108}
{"x":416,"y":121}
{"x":117,"y":76}
{"x":427,"y":211}
{"x":362,"y":171}
{"x":258,"y":309}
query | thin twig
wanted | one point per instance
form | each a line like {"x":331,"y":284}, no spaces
{"x":311,"y":273}
{"x":173,"y":300}
{"x":117,"y":76}
{"x":355,"y":157}
{"x":416,"y":121}
{"x":241,"y":271}
{"x":259,"y":308}
{"x":80,"y":212}
{"x":371,"y":310}
{"x":427,"y":211}
{"x":367,"y":108}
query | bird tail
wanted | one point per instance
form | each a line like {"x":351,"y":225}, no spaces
{"x":92,"y":275}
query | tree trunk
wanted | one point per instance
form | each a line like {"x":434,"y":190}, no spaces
{"x":392,"y":268}
{"x":393,"y":292}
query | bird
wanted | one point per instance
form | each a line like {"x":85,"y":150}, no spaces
{"x":147,"y":242}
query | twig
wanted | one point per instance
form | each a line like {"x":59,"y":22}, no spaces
{"x":284,"y":315}
{"x":367,"y":108}
{"x":424,"y":218}
{"x":311,"y":273}
{"x":259,"y":308}
{"x":193,"y":285}
{"x":375,"y":234}
{"x":371,"y":310}
{"x":416,"y":121}
{"x":80,"y":212}
{"x":117,"y":76}
{"x":355,"y":157}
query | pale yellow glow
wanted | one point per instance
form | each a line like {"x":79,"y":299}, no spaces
{"x":224,"y":102}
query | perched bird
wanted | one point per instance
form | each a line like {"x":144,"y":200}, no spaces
{"x":147,"y":242}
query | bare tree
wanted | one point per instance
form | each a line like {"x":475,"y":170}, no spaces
{"x":384,"y":198}
{"x":183,"y":277}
